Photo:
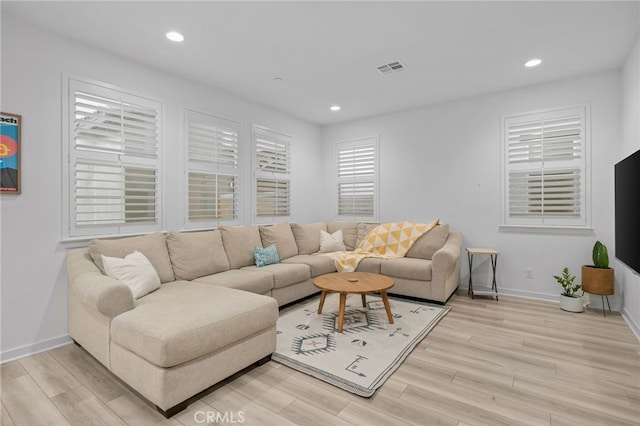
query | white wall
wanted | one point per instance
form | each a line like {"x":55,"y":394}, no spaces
{"x":446,"y":159}
{"x":630,"y":282}
{"x":444,"y":162}
{"x":33,"y":278}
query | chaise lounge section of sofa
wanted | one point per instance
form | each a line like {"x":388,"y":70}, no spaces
{"x":215,"y":311}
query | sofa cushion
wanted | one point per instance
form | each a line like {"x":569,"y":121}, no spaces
{"x":319,"y":264}
{"x":349,"y":230}
{"x":331,"y":242}
{"x":195,"y":254}
{"x":266,"y":256}
{"x":135,"y":271}
{"x":284,"y":274}
{"x":409,"y":268}
{"x":308,"y":236}
{"x":254,"y":281}
{"x":370,"y":264}
{"x":184,"y":320}
{"x":239,"y":243}
{"x":153,"y":246}
{"x":282,"y":237}
{"x":429,"y":243}
{"x":363,"y":230}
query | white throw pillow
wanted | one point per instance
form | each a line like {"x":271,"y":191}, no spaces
{"x":331,"y":242}
{"x":135,"y":271}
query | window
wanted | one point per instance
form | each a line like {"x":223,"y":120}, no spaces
{"x":272,"y":174}
{"x":112,"y":157}
{"x":545,"y":181}
{"x":212,"y":170}
{"x":357,"y":179}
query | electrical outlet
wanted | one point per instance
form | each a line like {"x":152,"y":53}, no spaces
{"x":528,"y":273}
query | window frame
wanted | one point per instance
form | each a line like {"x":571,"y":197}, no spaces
{"x":276,"y":176}
{"x":373,"y":178}
{"x":71,"y":230}
{"x":550,"y":221}
{"x":211,"y":169}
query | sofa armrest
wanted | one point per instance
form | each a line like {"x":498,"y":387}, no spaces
{"x":446,"y":262}
{"x":89,"y":286}
{"x":449,"y":253}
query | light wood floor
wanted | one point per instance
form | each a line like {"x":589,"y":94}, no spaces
{"x":511,"y":362}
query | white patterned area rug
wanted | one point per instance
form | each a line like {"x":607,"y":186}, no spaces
{"x":368,"y":351}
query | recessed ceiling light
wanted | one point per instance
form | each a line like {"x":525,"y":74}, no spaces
{"x":533,"y":63}
{"x":335,"y":108}
{"x":175,"y":36}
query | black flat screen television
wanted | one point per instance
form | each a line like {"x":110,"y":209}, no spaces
{"x":627,"y":214}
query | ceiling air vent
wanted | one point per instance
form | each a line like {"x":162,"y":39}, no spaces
{"x":391,"y":68}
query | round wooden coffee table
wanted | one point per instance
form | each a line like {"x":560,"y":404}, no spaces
{"x":356,"y":283}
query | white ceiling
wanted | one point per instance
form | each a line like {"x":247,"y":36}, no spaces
{"x":327,"y":52}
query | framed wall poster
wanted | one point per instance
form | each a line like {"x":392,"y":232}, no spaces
{"x":10,"y":126}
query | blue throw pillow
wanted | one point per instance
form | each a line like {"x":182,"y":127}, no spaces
{"x":266,"y":256}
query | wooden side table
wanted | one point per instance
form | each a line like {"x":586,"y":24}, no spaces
{"x":493,"y":254}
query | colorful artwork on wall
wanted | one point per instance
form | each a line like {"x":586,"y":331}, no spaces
{"x":10,"y":153}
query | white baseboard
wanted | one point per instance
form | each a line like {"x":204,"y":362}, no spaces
{"x":34,"y":348}
{"x":520,"y":293}
{"x":529,"y":294}
{"x":595,"y":301}
{"x":634,"y":326}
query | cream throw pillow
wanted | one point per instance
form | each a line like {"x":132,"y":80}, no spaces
{"x":331,"y":242}
{"x":135,"y":271}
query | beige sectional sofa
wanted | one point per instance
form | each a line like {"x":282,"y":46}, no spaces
{"x":215,"y":312}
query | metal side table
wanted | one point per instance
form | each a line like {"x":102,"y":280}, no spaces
{"x":493,"y":254}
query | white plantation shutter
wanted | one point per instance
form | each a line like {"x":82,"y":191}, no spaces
{"x":211,"y":197}
{"x":113,"y":194}
{"x":545,"y":168}
{"x":272,"y":197}
{"x":212,"y":170}
{"x":356,"y":165}
{"x":113,"y":161}
{"x":272,"y":154}
{"x":115,"y":125}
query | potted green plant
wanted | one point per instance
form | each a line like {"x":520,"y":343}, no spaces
{"x":569,"y":300}
{"x":598,"y":278}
